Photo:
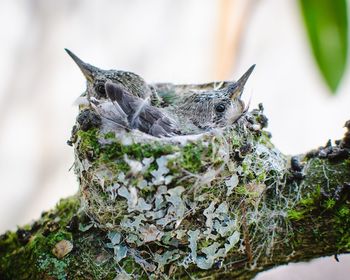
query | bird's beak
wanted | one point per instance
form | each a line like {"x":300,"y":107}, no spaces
{"x":88,"y":70}
{"x":235,"y":89}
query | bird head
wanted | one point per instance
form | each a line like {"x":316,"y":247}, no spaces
{"x":214,"y":108}
{"x":96,"y":79}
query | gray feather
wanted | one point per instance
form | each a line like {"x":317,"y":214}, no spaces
{"x":140,"y":114}
{"x":111,"y":112}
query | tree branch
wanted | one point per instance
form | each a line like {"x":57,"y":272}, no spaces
{"x":225,"y":205}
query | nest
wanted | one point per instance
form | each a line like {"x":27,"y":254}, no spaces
{"x":188,"y":200}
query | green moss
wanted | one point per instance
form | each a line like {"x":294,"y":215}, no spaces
{"x":115,"y":166}
{"x":192,"y":157}
{"x":89,"y":141}
{"x":250,"y":196}
{"x":8,"y":242}
{"x":109,"y":135}
{"x":129,"y":265}
{"x":248,"y":173}
{"x":342,"y":226}
{"x":112,"y":155}
{"x":111,"y":151}
{"x":296,"y":215}
{"x":148,"y":173}
{"x":53,"y":239}
{"x":116,"y":150}
{"x":65,"y":209}
{"x":265,"y":139}
{"x":306,"y":205}
{"x":344,"y":211}
{"x":329,"y":203}
{"x":308,"y":201}
{"x":132,"y":268}
{"x":142,"y":151}
{"x":261,"y":177}
{"x":204,"y":243}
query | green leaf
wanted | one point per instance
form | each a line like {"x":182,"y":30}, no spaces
{"x":327,"y":26}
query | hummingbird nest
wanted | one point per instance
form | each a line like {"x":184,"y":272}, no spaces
{"x":178,"y":176}
{"x":189,"y":200}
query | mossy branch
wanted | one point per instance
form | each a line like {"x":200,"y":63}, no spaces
{"x":225,"y":204}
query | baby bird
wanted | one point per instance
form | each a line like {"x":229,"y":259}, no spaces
{"x":194,"y":113}
{"x":213,"y":108}
{"x":139,"y":114}
{"x":96,"y":79}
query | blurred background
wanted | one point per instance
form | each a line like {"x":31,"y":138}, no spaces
{"x":183,"y":41}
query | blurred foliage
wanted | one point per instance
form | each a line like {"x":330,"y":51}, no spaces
{"x":327,"y":26}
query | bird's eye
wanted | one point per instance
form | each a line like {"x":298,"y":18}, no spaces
{"x":100,"y":89}
{"x":220,"y":108}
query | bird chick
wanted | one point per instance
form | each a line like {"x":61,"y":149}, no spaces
{"x":195,"y":113}
{"x":140,"y":115}
{"x":96,"y":79}
{"x":213,"y":108}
